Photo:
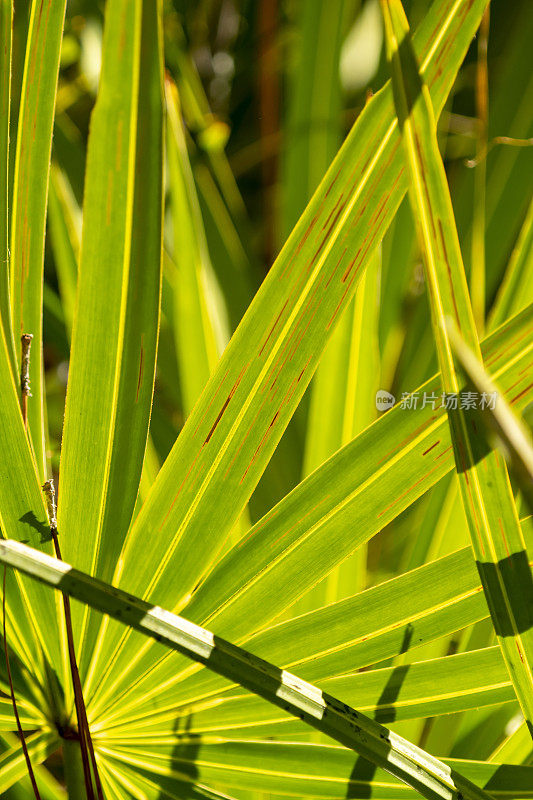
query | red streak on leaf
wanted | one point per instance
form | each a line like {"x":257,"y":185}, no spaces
{"x":513,"y":385}
{"x":446,"y":450}
{"x":359,"y":171}
{"x":522,"y":393}
{"x":431,"y":448}
{"x":226,"y":403}
{"x":410,"y":488}
{"x":293,"y":337}
{"x":332,"y":184}
{"x":398,"y":447}
{"x":300,"y":244}
{"x":381,"y":208}
{"x":273,"y":327}
{"x":258,"y":527}
{"x":336,"y":265}
{"x":452,"y":292}
{"x":210,"y":403}
{"x":250,"y":427}
{"x":350,"y":265}
{"x":438,"y":25}
{"x":302,"y":334}
{"x":497,"y":354}
{"x":286,"y":399}
{"x":327,"y":234}
{"x":333,"y":210}
{"x":341,"y":301}
{"x":259,"y":446}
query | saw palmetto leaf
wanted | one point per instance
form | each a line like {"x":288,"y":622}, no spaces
{"x":49,"y":787}
{"x":115,"y":329}
{"x":196,"y":344}
{"x":411,"y":645}
{"x":6,"y":23}
{"x":32,"y":619}
{"x":12,"y":762}
{"x":492,"y":517}
{"x":515,"y":748}
{"x":30,"y":718}
{"x":64,"y":218}
{"x":516,"y":288}
{"x":420,"y":606}
{"x":498,"y":416}
{"x":314,"y":120}
{"x":305,"y":770}
{"x":467,"y":681}
{"x":30,"y":192}
{"x":344,"y":385}
{"x":235,"y":426}
{"x":345,"y":502}
{"x":429,"y":776}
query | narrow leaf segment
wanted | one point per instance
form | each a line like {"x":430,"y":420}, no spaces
{"x":493,"y":522}
{"x":30,"y":193}
{"x":499,"y":416}
{"x":430,"y":777}
{"x":116,"y":321}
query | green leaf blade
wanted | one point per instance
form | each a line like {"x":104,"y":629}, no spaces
{"x":235,"y":427}
{"x":30,"y":192}
{"x":196,"y":346}
{"x":33,"y":620}
{"x":495,"y":531}
{"x":429,"y":776}
{"x":6,"y":23}
{"x":116,"y":321}
{"x":327,"y":516}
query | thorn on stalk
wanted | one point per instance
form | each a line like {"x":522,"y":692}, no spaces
{"x":25,"y":392}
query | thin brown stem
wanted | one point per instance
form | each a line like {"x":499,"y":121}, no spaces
{"x":25,"y":376}
{"x":86,"y":744}
{"x":13,"y":700}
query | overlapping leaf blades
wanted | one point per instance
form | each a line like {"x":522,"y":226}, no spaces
{"x":30,"y":192}
{"x":499,"y":417}
{"x":487,"y":497}
{"x":147,"y":712}
{"x":228,"y":439}
{"x":115,"y":330}
{"x":430,"y":777}
{"x":301,"y":540}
